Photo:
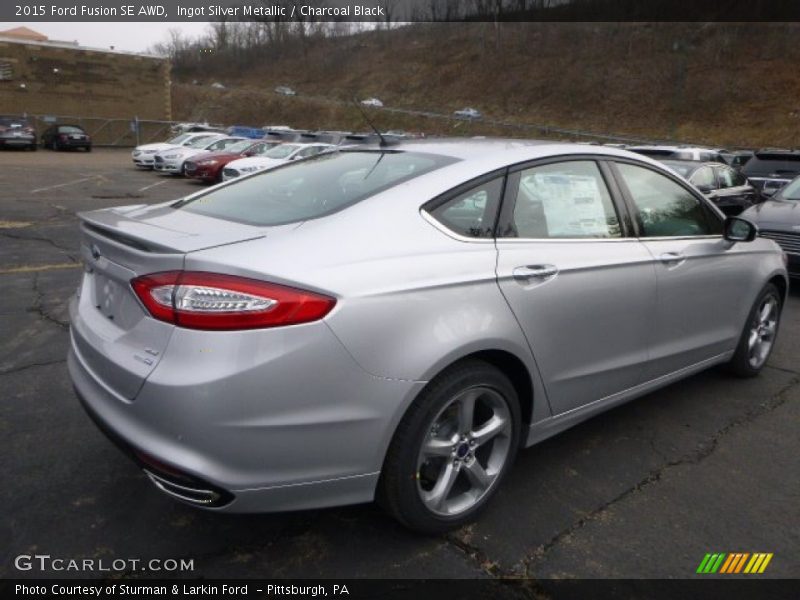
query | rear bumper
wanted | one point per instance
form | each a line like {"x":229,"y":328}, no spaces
{"x":303,"y":427}
{"x":17,"y":142}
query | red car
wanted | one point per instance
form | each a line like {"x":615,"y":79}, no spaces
{"x":208,"y":166}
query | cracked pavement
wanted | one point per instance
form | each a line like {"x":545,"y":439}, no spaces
{"x":645,"y":490}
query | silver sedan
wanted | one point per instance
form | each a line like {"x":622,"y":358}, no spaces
{"x":396,"y":322}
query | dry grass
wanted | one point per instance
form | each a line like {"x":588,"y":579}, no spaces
{"x":723,"y":84}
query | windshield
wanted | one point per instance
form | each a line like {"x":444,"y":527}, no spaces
{"x":239,"y":147}
{"x":178,"y":139}
{"x":312,"y":188}
{"x":281,"y":151}
{"x":199,"y":142}
{"x":791,"y":191}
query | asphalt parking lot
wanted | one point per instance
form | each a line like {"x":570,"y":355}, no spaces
{"x":644,"y":491}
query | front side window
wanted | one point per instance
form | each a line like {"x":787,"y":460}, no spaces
{"x":312,"y":188}
{"x":564,"y":200}
{"x":664,"y":207}
{"x":472,"y":213}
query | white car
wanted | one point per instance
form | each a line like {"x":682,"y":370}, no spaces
{"x":468,"y":113}
{"x":279,"y":155}
{"x":144,"y":155}
{"x":285,"y":90}
{"x":372,"y":102}
{"x":172,"y":160}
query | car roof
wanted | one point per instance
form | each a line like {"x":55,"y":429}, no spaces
{"x":501,"y":151}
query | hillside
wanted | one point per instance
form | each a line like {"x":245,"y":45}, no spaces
{"x":722,"y":84}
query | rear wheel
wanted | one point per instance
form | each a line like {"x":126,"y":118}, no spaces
{"x":758,"y":337}
{"x":452,"y":448}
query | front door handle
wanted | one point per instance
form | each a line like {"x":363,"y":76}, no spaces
{"x":673,"y":259}
{"x":535,"y":272}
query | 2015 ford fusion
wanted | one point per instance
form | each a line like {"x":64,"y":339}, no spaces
{"x":396,"y":322}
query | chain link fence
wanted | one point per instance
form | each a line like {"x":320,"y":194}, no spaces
{"x":122,"y":133}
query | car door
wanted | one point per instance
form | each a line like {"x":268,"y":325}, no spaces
{"x":583,"y":292}
{"x":698,"y":273}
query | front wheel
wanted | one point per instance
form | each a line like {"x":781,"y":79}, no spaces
{"x":758,"y":337}
{"x":452,"y":448}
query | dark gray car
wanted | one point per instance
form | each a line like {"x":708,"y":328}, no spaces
{"x":724,"y":186}
{"x":779,"y":219}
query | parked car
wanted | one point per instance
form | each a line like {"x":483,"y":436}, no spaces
{"x":66,"y":137}
{"x":285,"y":90}
{"x":769,"y":169}
{"x":468,"y":113}
{"x":254,"y":133}
{"x":275,"y":157}
{"x":17,"y":132}
{"x":779,"y":219}
{"x":218,"y":86}
{"x":680,"y":153}
{"x":196,"y":128}
{"x":145,"y":155}
{"x":173,"y":160}
{"x":397,"y":323}
{"x":372,"y":102}
{"x":208,"y":166}
{"x":724,"y":186}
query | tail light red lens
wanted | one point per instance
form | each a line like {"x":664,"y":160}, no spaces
{"x":199,"y":300}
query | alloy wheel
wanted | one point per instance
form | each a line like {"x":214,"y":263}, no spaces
{"x":467,"y":444}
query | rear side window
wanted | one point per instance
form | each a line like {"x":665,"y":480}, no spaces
{"x":664,"y":208}
{"x":472,"y":213}
{"x":312,"y":188}
{"x":564,"y":200}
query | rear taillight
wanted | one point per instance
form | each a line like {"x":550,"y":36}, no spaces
{"x":200,"y":300}
{"x":63,"y":136}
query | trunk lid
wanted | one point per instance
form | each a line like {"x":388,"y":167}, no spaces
{"x":112,"y":332}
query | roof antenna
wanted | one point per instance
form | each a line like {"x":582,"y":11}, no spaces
{"x":384,"y":142}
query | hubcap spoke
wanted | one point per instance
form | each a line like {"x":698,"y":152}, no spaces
{"x":437,"y":447}
{"x":488,"y":430}
{"x":438,"y":495}
{"x":753,"y":340}
{"x":477,"y":475}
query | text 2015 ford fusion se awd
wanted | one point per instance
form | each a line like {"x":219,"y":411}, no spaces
{"x":396,"y":322}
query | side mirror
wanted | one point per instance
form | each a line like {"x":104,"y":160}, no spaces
{"x":737,"y":229}
{"x":706,"y":189}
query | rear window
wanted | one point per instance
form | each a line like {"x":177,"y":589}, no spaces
{"x":13,"y":122}
{"x":312,"y":188}
{"x":69,"y":129}
{"x":767,"y":164}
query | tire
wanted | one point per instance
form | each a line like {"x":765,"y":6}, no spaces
{"x":759,"y":334}
{"x":451,"y":460}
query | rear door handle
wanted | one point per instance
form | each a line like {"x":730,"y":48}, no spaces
{"x":534,"y":272}
{"x":672,"y":258}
